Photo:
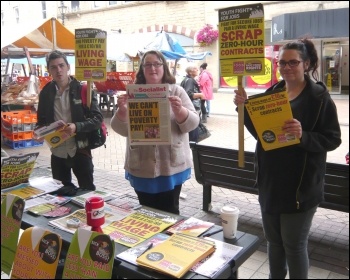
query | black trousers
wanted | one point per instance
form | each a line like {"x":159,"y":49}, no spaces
{"x":165,"y":201}
{"x":82,"y":166}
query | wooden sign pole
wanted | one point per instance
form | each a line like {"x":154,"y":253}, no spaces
{"x":240,"y":127}
{"x":88,"y":94}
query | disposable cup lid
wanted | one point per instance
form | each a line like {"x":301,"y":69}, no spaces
{"x":229,"y":210}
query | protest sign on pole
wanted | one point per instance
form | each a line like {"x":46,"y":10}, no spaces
{"x":90,"y":56}
{"x":241,"y":51}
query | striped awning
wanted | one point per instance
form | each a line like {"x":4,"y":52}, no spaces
{"x":48,"y":36}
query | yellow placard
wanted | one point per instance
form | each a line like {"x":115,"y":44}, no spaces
{"x":37,"y":254}
{"x":90,"y":54}
{"x":242,"y":40}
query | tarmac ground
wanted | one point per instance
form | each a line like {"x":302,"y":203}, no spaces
{"x":329,"y":236}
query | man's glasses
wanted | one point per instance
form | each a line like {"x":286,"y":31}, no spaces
{"x":291,"y":63}
{"x":155,"y":65}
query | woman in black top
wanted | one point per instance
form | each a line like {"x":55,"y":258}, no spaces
{"x":290,"y":180}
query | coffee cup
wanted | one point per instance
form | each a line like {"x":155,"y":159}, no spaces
{"x":229,"y":219}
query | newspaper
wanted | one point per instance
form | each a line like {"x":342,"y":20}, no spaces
{"x":112,"y":214}
{"x":16,"y":169}
{"x":52,"y":128}
{"x":223,"y":254}
{"x":149,"y":114}
{"x":53,"y":134}
{"x":46,"y":198}
{"x":80,"y":199}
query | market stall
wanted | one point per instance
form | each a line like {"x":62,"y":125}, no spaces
{"x":20,"y":97}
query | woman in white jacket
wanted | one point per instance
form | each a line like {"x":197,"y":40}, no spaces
{"x":157,"y":172}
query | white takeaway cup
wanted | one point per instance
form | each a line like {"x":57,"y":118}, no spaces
{"x":229,"y":219}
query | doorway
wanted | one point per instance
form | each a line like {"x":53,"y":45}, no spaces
{"x":331,"y":65}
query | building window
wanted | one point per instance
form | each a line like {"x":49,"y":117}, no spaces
{"x":97,"y":4}
{"x":43,"y":6}
{"x":113,"y":3}
{"x":2,"y":18}
{"x":16,"y":11}
{"x":75,"y":6}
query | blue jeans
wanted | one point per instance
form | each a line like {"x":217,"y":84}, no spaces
{"x":287,"y":239}
{"x":208,"y":106}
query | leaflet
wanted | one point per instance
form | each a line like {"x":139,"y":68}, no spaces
{"x":53,"y":133}
{"x":149,"y":114}
{"x":268,"y":112}
{"x":52,"y":128}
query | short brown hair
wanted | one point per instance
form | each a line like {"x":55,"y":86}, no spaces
{"x":54,"y":55}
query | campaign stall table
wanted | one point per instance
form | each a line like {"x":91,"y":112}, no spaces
{"x":123,"y":269}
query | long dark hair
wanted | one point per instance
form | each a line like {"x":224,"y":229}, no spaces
{"x":168,"y":78}
{"x":307,"y":51}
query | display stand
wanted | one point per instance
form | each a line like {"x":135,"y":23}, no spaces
{"x":107,"y":90}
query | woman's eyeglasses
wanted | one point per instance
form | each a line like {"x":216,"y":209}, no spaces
{"x":292,"y":63}
{"x":155,"y":65}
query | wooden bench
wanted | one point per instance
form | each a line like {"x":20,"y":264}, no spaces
{"x":214,"y":166}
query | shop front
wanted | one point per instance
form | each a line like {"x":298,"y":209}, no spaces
{"x":329,"y":30}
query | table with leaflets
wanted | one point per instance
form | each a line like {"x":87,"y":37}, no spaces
{"x":123,"y":269}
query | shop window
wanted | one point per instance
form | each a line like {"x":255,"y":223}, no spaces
{"x":43,"y":6}
{"x":75,"y":6}
{"x":97,"y":4}
{"x":16,"y":11}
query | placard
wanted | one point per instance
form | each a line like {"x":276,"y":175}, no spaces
{"x":11,"y":216}
{"x":37,"y":254}
{"x":242,"y":40}
{"x":90,"y":256}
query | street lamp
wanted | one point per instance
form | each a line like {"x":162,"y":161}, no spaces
{"x":63,"y":10}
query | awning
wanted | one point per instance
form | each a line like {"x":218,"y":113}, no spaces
{"x":315,"y":24}
{"x":122,"y":47}
{"x":48,"y":36}
{"x":171,"y":48}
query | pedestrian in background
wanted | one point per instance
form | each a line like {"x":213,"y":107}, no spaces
{"x":205,"y":82}
{"x":290,"y":180}
{"x":157,"y":172}
{"x":59,"y":100}
{"x":192,"y":88}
